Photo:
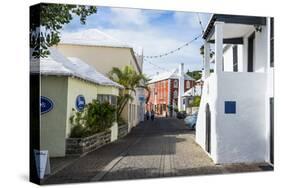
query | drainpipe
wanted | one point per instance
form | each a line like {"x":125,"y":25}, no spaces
{"x":169,"y":97}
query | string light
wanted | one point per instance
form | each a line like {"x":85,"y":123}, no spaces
{"x":175,"y":50}
{"x":200,"y":22}
{"x":155,"y":65}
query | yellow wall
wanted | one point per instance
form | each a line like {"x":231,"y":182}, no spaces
{"x":108,"y":90}
{"x":52,"y":132}
{"x":55,"y":125}
{"x":88,"y":90}
{"x":78,"y":87}
{"x":101,"y":58}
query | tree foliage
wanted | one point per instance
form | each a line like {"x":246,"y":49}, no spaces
{"x":46,"y":21}
{"x":130,"y":79}
{"x":196,"y":74}
{"x":196,"y":101}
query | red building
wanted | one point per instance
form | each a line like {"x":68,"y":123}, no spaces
{"x":164,"y":89}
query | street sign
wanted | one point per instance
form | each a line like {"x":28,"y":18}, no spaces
{"x":42,"y":162}
{"x":141,"y":98}
{"x":80,"y":102}
{"x":46,"y":104}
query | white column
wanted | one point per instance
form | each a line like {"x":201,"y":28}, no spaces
{"x":244,"y":66}
{"x":180,"y":86}
{"x":218,"y":46}
{"x":206,"y":72}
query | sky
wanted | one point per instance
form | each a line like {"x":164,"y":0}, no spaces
{"x":156,"y":32}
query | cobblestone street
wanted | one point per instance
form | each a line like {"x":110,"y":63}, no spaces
{"x":163,"y":148}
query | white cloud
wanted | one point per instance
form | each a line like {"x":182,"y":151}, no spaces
{"x":128,"y":17}
{"x":157,"y":32}
{"x":154,"y":42}
{"x":191,"y":20}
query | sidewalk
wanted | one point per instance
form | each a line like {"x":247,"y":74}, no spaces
{"x":84,"y":168}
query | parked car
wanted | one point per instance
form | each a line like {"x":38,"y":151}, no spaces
{"x":181,"y":114}
{"x":190,"y":120}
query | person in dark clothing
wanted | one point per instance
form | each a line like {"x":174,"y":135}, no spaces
{"x":152,"y":115}
{"x":147,"y":115}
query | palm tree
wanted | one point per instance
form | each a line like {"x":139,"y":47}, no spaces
{"x":131,"y":80}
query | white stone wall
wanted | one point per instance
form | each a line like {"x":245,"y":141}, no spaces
{"x":243,"y":136}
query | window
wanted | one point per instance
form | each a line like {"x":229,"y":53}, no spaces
{"x":164,"y":89}
{"x":230,"y":107}
{"x":108,"y":98}
{"x":175,"y":94}
{"x":271,"y":42}
{"x":187,"y":83}
{"x":235,"y":58}
{"x":175,"y":83}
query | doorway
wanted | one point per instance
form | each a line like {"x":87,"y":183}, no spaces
{"x":208,"y":129}
{"x":251,"y":41}
{"x":271,"y":130}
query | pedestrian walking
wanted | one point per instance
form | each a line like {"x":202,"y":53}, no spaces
{"x":152,"y":115}
{"x":147,"y":115}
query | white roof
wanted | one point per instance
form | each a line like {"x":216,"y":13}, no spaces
{"x":57,"y":64}
{"x":169,"y":75}
{"x":93,"y":37}
{"x":194,"y":91}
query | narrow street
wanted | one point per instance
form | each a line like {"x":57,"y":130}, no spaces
{"x":163,"y":148}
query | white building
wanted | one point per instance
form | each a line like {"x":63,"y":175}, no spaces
{"x":235,"y":120}
{"x":189,"y":95}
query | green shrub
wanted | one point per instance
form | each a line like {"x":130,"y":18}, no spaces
{"x":96,"y":117}
{"x":196,"y":101}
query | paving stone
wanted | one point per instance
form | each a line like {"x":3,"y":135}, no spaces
{"x":163,"y":148}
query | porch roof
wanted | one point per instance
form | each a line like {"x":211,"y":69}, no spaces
{"x":244,"y":22}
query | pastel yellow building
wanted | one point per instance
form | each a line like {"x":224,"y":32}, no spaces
{"x":63,"y":82}
{"x":105,"y":52}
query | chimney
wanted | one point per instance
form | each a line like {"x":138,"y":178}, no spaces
{"x":181,"y":87}
{"x":181,"y":71}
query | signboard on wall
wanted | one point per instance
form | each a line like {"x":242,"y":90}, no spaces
{"x":42,"y":162}
{"x":80,"y":102}
{"x":142,"y":98}
{"x":46,"y":104}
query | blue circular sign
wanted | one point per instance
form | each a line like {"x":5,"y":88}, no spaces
{"x":46,"y":104}
{"x":80,"y":102}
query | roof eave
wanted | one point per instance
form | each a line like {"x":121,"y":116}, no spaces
{"x":234,"y":19}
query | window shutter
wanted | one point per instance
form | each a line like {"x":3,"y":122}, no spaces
{"x":235,"y":58}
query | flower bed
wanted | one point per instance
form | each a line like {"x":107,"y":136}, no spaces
{"x":78,"y":146}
